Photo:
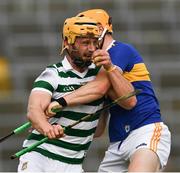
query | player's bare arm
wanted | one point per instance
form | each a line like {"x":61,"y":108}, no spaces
{"x":120,"y":87}
{"x":91,"y":91}
{"x":38,"y":102}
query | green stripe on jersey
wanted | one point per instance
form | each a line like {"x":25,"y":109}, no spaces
{"x":76,"y":116}
{"x":92,"y":72}
{"x":43,"y":84}
{"x":59,"y":65}
{"x":71,"y":74}
{"x":55,"y":65}
{"x":74,"y":75}
{"x":63,"y":74}
{"x":67,"y":88}
{"x":59,"y":143}
{"x":68,"y":74}
{"x":79,"y":132}
{"x":59,"y":157}
{"x":51,"y":66}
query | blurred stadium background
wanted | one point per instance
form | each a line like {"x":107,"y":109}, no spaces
{"x":30,"y":40}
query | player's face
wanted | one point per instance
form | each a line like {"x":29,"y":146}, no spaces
{"x":84,"y":47}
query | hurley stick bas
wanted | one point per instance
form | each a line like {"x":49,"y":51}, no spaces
{"x":22,"y":128}
{"x":30,"y":148}
{"x":16,"y":131}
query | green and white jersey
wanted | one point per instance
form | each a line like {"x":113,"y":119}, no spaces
{"x":59,"y":80}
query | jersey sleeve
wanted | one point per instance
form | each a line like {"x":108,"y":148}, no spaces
{"x":47,"y":81}
{"x":124,"y":56}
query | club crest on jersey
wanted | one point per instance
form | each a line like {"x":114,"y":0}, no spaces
{"x":24,"y":166}
{"x":127,"y":128}
{"x":85,"y":153}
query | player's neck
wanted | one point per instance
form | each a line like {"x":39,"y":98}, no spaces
{"x":107,"y":41}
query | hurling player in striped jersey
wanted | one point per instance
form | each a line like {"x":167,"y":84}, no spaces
{"x":65,"y":152}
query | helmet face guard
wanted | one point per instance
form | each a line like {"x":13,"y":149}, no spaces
{"x":79,"y":27}
{"x":100,"y":16}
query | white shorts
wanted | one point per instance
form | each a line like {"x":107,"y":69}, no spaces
{"x":155,"y":137}
{"x":36,"y":162}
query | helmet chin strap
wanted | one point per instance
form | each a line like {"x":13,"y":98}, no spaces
{"x":101,"y":38}
{"x":103,"y":34}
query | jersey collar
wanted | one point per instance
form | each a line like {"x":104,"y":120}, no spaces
{"x":110,"y":45}
{"x":67,"y":66}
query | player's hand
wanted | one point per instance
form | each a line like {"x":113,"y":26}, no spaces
{"x":53,"y":105}
{"x":102,"y":58}
{"x":53,"y":131}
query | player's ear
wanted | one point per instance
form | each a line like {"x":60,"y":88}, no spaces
{"x":64,"y":46}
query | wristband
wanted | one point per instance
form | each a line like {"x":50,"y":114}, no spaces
{"x":62,"y":102}
{"x":112,"y":68}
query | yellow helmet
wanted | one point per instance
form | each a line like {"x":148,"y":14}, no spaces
{"x":100,"y":16}
{"x":79,"y":27}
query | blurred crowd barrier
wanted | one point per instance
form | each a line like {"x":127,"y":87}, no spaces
{"x":30,"y":38}
{"x":5,"y":79}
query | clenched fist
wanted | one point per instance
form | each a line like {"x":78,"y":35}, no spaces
{"x":52,"y":106}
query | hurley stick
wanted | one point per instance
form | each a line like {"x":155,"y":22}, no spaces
{"x":16,"y":131}
{"x":22,"y":128}
{"x":30,"y":148}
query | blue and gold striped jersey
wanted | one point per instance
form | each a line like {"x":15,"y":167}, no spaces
{"x":147,"y":110}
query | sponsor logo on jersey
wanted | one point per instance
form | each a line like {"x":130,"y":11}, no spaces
{"x":127,"y":128}
{"x":68,"y":88}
